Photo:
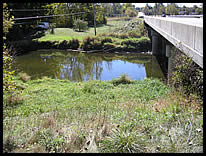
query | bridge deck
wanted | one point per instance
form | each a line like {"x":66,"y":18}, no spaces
{"x":184,"y":33}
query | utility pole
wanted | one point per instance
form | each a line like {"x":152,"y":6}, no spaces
{"x":94,"y":20}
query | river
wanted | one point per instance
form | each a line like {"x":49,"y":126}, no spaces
{"x":75,"y":66}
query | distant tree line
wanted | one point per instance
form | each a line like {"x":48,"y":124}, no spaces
{"x":171,"y":9}
{"x":26,"y":29}
{"x":117,"y":9}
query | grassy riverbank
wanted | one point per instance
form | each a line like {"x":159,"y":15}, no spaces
{"x":118,"y":35}
{"x":101,"y":116}
{"x":68,"y":33}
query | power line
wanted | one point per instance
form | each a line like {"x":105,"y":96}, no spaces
{"x":49,"y":9}
{"x":48,"y":16}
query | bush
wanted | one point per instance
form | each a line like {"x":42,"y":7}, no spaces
{"x":122,"y":35}
{"x":123,"y":79}
{"x":63,"y":45}
{"x":8,"y":83}
{"x":92,"y":43}
{"x":140,"y":44}
{"x":80,"y":25}
{"x":106,"y":40}
{"x":134,"y":34}
{"x":109,"y":46}
{"x":187,"y":75}
{"x":24,"y":77}
{"x":74,"y":44}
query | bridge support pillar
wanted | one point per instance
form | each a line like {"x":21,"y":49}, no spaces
{"x":171,"y":60}
{"x":163,"y":47}
{"x":155,"y":38}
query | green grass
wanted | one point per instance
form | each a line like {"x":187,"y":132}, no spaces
{"x":68,"y":33}
{"x":101,"y":116}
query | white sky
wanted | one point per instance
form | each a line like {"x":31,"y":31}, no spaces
{"x":165,"y":4}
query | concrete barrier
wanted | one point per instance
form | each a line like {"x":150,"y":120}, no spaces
{"x":185,"y":34}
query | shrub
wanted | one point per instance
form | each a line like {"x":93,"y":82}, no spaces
{"x":80,"y":25}
{"x":97,"y":45}
{"x":123,"y":79}
{"x":134,"y":34}
{"x":123,"y":35}
{"x":187,"y":75}
{"x":24,"y":77}
{"x":141,"y":44}
{"x":106,"y":40}
{"x":63,"y":45}
{"x":92,"y":43}
{"x":109,"y":46}
{"x":8,"y":83}
{"x":87,"y":42}
{"x":74,"y":44}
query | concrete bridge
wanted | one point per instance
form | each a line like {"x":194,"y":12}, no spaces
{"x":184,"y":33}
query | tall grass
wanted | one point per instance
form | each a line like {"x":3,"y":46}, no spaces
{"x":60,"y":116}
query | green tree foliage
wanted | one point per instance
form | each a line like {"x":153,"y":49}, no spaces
{"x":25,"y":28}
{"x":131,"y":12}
{"x":8,"y":84}
{"x":147,"y":9}
{"x":113,"y":9}
{"x":70,"y":8}
{"x":7,"y":21}
{"x":158,"y":9}
{"x":172,"y":9}
{"x":187,"y":75}
{"x":80,"y":25}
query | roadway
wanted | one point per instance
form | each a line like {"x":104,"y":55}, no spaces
{"x":188,"y":21}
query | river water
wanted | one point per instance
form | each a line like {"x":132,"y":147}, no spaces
{"x":75,"y":66}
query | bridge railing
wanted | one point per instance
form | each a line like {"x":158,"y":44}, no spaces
{"x":185,"y":36}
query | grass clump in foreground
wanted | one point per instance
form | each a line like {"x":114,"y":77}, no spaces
{"x":99,"y":116}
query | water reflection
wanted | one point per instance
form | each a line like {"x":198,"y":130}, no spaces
{"x":82,"y":67}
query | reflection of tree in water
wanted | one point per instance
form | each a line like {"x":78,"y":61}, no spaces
{"x":78,"y":68}
{"x":73,"y":66}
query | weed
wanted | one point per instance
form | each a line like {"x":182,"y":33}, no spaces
{"x":9,"y":144}
{"x":64,"y":116}
{"x":123,"y":140}
{"x":123,"y":79}
{"x":14,"y":100}
{"x":24,"y":77}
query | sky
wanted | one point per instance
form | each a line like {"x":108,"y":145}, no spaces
{"x":165,"y":4}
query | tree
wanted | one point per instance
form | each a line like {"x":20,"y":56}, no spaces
{"x":8,"y":84}
{"x":159,"y":9}
{"x":147,"y":10}
{"x":69,"y":8}
{"x":80,"y":25}
{"x":199,"y":11}
{"x":172,"y":9}
{"x":25,"y":28}
{"x":113,"y":9}
{"x":131,"y":12}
